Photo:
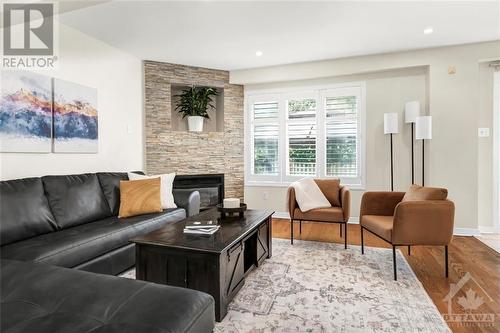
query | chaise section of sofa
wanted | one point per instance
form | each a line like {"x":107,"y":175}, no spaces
{"x":42,"y":298}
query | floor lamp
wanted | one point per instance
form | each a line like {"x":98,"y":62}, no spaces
{"x":423,"y":132}
{"x":391,"y":127}
{"x":412,"y":111}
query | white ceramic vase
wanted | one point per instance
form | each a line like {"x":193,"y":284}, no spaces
{"x":195,"y":123}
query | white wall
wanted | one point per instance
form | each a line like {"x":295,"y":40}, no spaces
{"x":453,"y":153}
{"x":485,"y":149}
{"x":385,"y":92}
{"x":117,"y":76}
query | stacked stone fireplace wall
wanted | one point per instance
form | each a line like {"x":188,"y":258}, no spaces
{"x":188,"y":152}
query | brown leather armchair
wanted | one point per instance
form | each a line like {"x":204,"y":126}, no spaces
{"x":416,"y":220}
{"x":338,"y":196}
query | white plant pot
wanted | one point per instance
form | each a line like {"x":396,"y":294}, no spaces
{"x":195,"y":123}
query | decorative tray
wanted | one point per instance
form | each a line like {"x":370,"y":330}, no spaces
{"x":229,"y":212}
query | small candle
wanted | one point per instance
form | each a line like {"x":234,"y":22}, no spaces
{"x":231,"y":203}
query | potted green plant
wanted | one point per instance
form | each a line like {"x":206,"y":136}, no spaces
{"x":194,"y":103}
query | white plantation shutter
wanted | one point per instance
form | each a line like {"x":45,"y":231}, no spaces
{"x":311,"y":132}
{"x":301,"y":136}
{"x":265,"y":129}
{"x":341,"y":128}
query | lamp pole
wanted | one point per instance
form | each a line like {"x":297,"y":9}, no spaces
{"x":412,"y":155}
{"x":423,"y":132}
{"x":391,"y":127}
{"x":392,"y":168}
{"x":412,"y":111}
{"x":423,"y":163}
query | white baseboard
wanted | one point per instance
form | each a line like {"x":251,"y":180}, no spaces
{"x":466,"y":232}
{"x":286,"y":215}
{"x":281,"y":215}
{"x":489,"y":230}
{"x":355,"y":220}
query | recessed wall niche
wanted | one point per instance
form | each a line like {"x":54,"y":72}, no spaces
{"x":214,"y":124}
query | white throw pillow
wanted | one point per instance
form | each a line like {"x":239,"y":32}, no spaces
{"x":308,"y":195}
{"x":167,"y":180}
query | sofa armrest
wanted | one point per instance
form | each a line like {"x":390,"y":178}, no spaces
{"x":292,"y":203}
{"x":379,"y":203}
{"x":427,"y":222}
{"x":345,"y":202}
{"x":189,"y":200}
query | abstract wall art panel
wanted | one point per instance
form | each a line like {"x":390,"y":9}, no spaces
{"x":25,"y":112}
{"x":75,"y":118}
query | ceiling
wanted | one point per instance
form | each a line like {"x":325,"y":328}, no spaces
{"x":227,"y":34}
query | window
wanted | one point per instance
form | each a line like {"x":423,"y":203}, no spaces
{"x":341,"y":126}
{"x":301,"y":130}
{"x":314,"y":132}
{"x":265,"y":137}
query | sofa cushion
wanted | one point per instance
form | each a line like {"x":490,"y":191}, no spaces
{"x":419,"y":193}
{"x":138,"y":197}
{"x":74,"y":246}
{"x":75,"y":199}
{"x":167,"y":183}
{"x":110,"y":184}
{"x":82,"y":302}
{"x":380,"y":225}
{"x":24,"y":211}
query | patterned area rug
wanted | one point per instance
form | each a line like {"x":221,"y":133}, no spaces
{"x":320,"y":287}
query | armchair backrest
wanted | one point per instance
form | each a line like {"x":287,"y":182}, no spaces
{"x":421,"y":193}
{"x":331,"y":190}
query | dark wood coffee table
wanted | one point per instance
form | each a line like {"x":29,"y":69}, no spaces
{"x":215,"y":264}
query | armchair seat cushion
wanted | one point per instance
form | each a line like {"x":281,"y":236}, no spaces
{"x":330,"y":214}
{"x":380,"y":225}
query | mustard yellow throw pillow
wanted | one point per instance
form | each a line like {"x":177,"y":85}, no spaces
{"x":139,"y":197}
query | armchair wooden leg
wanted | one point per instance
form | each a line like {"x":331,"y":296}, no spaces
{"x":291,"y":231}
{"x":345,"y":235}
{"x":394,"y":262}
{"x":446,"y":259}
{"x":362,"y":242}
{"x":409,"y":251}
{"x":340,"y":228}
{"x":300,"y":227}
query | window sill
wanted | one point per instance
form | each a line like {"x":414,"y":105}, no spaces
{"x":354,"y":187}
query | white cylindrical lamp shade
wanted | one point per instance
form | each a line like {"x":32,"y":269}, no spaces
{"x":423,"y":128}
{"x":412,"y":111}
{"x":391,"y":123}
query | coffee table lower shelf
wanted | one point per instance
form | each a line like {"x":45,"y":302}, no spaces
{"x":220,"y":274}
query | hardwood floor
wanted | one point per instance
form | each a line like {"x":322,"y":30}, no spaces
{"x":466,"y":255}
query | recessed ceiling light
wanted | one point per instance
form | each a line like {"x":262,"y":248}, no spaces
{"x":259,"y":53}
{"x":428,"y":30}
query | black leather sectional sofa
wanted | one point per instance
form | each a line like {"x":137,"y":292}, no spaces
{"x":71,"y":221}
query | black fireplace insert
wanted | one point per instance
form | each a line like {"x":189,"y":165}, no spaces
{"x":210,"y":186}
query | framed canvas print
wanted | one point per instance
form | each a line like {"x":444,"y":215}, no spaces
{"x":25,"y":112}
{"x":75,"y":118}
